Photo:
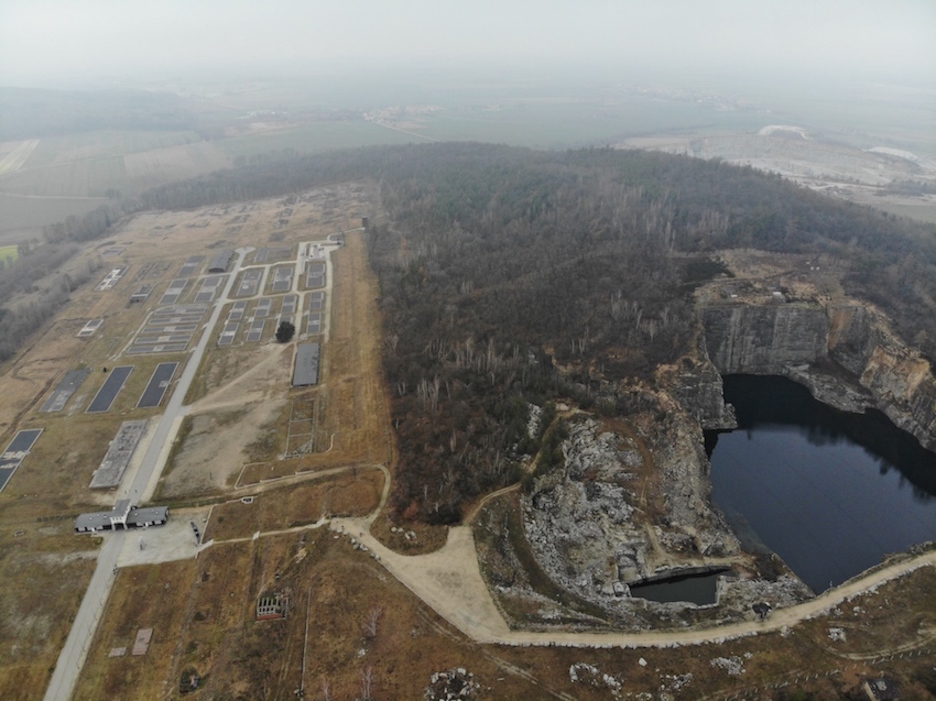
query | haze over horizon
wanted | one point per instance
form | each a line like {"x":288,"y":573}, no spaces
{"x":96,"y":43}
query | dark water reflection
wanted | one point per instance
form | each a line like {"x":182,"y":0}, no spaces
{"x":829,"y":492}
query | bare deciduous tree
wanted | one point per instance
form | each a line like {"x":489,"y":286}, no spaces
{"x":369,"y":626}
{"x":367,"y":683}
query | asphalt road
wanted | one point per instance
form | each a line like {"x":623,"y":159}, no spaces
{"x":75,"y":651}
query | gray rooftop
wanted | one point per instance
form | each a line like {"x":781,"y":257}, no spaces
{"x":221,"y":261}
{"x":118,"y":455}
{"x":307,"y":365}
{"x":123,"y":513}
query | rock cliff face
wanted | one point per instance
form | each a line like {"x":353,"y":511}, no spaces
{"x":588,"y":521}
{"x":844,"y":352}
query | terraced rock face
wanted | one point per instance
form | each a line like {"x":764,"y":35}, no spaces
{"x":842,"y":351}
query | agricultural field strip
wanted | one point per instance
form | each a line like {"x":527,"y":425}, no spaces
{"x":172,"y":328}
{"x":9,"y":254}
{"x":15,"y":159}
{"x":315,"y":274}
{"x":237,"y":311}
{"x":109,"y":390}
{"x":228,"y":333}
{"x":16,"y":452}
{"x":156,"y":388}
{"x":263,"y":307}
{"x":64,"y":391}
{"x":209,"y":288}
{"x":282,"y":279}
{"x":168,"y":329}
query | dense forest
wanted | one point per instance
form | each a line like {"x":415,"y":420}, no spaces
{"x":498,"y":266}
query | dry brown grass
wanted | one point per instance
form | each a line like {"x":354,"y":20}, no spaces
{"x":297,"y":505}
{"x":240,"y":657}
{"x":52,"y":567}
{"x":53,"y":480}
{"x":157,"y":597}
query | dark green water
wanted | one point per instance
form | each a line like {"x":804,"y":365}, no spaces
{"x":831,"y":493}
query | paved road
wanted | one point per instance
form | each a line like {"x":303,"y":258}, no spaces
{"x":72,"y":658}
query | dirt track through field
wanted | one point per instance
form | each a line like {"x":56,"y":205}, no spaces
{"x":449,"y":580}
{"x":16,"y":157}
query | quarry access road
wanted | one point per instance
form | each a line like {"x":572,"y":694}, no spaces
{"x":449,"y":581}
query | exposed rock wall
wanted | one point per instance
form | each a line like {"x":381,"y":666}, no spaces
{"x":588,"y":523}
{"x":844,"y":352}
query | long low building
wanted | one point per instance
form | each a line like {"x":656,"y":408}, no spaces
{"x":221,"y":261}
{"x":123,"y":515}
{"x":306,"y":371}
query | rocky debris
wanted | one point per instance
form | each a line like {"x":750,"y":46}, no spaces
{"x":582,"y":670}
{"x":579,"y":518}
{"x":588,"y":528}
{"x":452,"y":685}
{"x":741,"y":594}
{"x":582,"y":673}
{"x":837,"y":635}
{"x":533,"y":421}
{"x":674,"y":683}
{"x":734,"y":665}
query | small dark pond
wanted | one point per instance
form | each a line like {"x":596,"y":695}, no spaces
{"x":698,"y":588}
{"x":829,"y":492}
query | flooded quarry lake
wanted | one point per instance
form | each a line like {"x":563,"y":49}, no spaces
{"x":831,"y":493}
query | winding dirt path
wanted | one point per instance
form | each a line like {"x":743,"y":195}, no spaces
{"x":449,"y":581}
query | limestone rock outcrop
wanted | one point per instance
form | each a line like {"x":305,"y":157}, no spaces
{"x":843,"y":351}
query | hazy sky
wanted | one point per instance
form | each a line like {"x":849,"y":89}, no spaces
{"x":57,"y":41}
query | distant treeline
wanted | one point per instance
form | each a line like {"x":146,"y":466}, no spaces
{"x":511,"y":276}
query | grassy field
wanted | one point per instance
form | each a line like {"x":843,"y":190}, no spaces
{"x":203,"y":615}
{"x":23,"y":217}
{"x":533,"y":123}
{"x":317,"y":136}
{"x":53,"y":150}
{"x":573,"y":124}
{"x":9,"y":253}
{"x":89,"y":164}
{"x":13,"y":154}
{"x":36,"y":619}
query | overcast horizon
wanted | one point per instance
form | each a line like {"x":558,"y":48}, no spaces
{"x":52,"y":43}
